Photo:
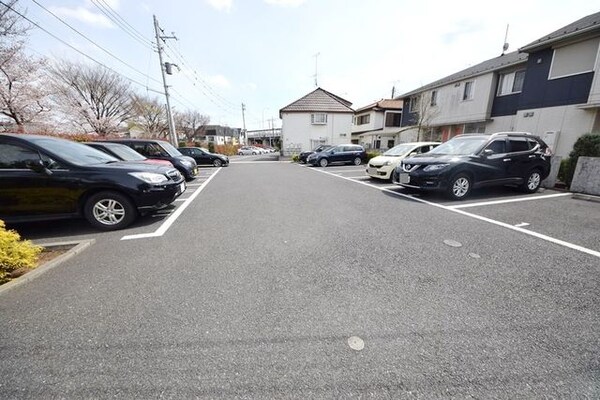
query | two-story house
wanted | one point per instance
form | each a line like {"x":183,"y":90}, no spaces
{"x":377,"y":125}
{"x":550,"y":88}
{"x":320,"y":117}
{"x":219,"y":135}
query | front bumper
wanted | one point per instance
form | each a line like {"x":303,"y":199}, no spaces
{"x":381,"y":172}
{"x":158,"y":196}
{"x":420,"y":180}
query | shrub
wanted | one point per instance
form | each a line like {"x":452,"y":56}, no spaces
{"x":227,"y":149}
{"x":182,"y":143}
{"x":295,"y":158}
{"x":211,"y":147}
{"x":587,"y":145}
{"x":372,"y":154}
{"x":15,"y":253}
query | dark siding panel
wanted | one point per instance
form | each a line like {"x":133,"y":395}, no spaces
{"x":540,"y":92}
{"x":408,"y":118}
{"x":506,"y":105}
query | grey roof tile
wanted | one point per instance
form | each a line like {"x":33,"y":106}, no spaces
{"x":581,"y":26}
{"x":319,"y":100}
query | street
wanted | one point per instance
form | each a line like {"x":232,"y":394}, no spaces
{"x":277,"y":280}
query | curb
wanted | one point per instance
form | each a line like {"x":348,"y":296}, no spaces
{"x":78,"y":247}
{"x":588,"y":197}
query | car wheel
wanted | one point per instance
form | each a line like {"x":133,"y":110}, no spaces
{"x":357,"y":161}
{"x":240,"y":154}
{"x":109,"y":211}
{"x":532,"y":182}
{"x":323,"y":162}
{"x":253,"y":153}
{"x":460,"y":186}
{"x":217,"y":163}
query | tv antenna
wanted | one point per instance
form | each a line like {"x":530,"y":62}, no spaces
{"x":505,"y":46}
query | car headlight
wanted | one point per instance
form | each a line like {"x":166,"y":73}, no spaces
{"x":187,"y":163}
{"x":150,"y":177}
{"x":385,"y":164}
{"x":435,"y":167}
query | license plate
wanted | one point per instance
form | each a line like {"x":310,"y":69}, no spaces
{"x":181,"y":188}
{"x":372,"y":171}
{"x":196,"y":171}
{"x":404,"y":178}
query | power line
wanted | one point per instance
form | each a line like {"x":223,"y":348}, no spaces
{"x":114,"y":16}
{"x":94,"y":43}
{"x":76,"y":49}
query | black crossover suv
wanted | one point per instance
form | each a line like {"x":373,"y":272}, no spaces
{"x":471,"y":161}
{"x":343,"y":153}
{"x":304,"y":155}
{"x":44,"y":178}
{"x":205,"y":157}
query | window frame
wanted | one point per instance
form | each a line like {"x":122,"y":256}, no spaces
{"x":471,"y":94}
{"x":318,"y":121}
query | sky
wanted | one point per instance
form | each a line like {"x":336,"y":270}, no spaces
{"x":265,"y":53}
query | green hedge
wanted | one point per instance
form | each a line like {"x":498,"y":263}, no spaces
{"x":587,"y":145}
{"x":15,"y":253}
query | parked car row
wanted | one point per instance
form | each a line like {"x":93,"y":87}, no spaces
{"x":45,"y":178}
{"x":340,"y":154}
{"x":254,"y":150}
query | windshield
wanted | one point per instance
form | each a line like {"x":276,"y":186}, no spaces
{"x":125,"y":152}
{"x":173,"y":152}
{"x":399,"y":150}
{"x":460,"y":146}
{"x":76,"y":153}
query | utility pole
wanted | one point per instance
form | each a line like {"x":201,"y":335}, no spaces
{"x":172,"y":133}
{"x":244,"y":123}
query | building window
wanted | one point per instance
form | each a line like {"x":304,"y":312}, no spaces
{"x":363,"y":119}
{"x":478,"y":127}
{"x":511,"y":83}
{"x":414,"y":104}
{"x":318,"y":119}
{"x":433,"y":98}
{"x":574,"y":59}
{"x":393,"y":119}
{"x":468,"y":91}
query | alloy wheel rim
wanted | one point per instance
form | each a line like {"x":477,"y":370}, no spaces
{"x":460,"y":187}
{"x":534,"y":181}
{"x":109,"y":212}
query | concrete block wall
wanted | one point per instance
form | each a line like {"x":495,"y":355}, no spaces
{"x":587,"y":176}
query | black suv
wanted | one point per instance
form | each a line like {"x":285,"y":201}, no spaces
{"x":471,"y":161}
{"x":44,"y":178}
{"x":162,"y":150}
{"x":343,"y":153}
{"x":304,"y":155}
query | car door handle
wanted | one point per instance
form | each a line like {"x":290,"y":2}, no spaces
{"x":532,"y":156}
{"x":506,"y":159}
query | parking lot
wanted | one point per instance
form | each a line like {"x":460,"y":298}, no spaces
{"x":281,"y":280}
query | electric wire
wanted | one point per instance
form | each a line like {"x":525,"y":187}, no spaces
{"x":96,"y":44}
{"x":114,"y":16}
{"x":77,"y":50}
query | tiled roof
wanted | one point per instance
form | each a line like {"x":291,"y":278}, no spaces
{"x":493,"y":64}
{"x":581,"y":26}
{"x":384,"y":104}
{"x":319,"y":100}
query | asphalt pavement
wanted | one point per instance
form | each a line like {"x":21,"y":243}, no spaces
{"x":279,"y":281}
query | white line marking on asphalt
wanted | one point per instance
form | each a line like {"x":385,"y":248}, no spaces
{"x":258,"y":162}
{"x":391,"y":187}
{"x":173,"y":217}
{"x":489,"y":203}
{"x":357,"y":177}
{"x":467,"y":214}
{"x":522,"y":224}
{"x":180,"y":199}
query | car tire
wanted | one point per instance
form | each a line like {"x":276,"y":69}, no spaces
{"x":460,"y":186}
{"x":357,"y":161}
{"x":253,"y":153}
{"x":109,"y":211}
{"x":217,"y":163}
{"x":532,"y":182}
{"x":323,"y":162}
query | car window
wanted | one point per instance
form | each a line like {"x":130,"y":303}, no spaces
{"x":154,"y":150}
{"x":16,"y":157}
{"x":497,"y":146}
{"x":533,"y":143}
{"x":518,"y":144}
{"x":423,"y":149}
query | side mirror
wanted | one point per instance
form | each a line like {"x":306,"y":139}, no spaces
{"x":488,"y":152}
{"x":414,"y":153}
{"x":37,"y":166}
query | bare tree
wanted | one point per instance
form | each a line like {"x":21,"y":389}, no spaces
{"x":189,"y":122}
{"x":23,"y":96}
{"x":93,"y":98}
{"x":11,"y":23}
{"x":150,"y":116}
{"x":424,"y":112}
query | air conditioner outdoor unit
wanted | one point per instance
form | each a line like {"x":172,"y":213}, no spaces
{"x":551,"y":139}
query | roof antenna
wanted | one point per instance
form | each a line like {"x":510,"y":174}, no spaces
{"x":316,"y":56}
{"x":505,"y":47}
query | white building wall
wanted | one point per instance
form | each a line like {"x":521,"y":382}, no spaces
{"x":299,"y":134}
{"x":366,"y":127}
{"x":594,"y":97}
{"x":451,"y":108}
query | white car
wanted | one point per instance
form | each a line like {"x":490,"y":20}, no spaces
{"x":248,"y":150}
{"x":382,"y":167}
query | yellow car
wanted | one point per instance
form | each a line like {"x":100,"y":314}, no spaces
{"x":381,"y":167}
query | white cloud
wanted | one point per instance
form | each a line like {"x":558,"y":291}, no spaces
{"x":84,"y":15}
{"x":285,"y":3}
{"x":219,"y":81}
{"x":221,"y":5}
{"x":114,"y":4}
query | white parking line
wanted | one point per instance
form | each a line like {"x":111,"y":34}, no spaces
{"x":173,"y":217}
{"x":522,"y":224}
{"x":489,"y":203}
{"x":475,"y":216}
{"x":357,"y":177}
